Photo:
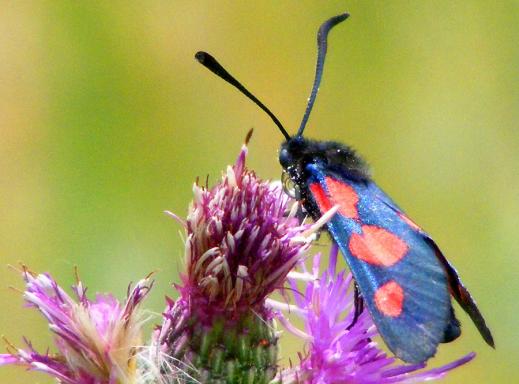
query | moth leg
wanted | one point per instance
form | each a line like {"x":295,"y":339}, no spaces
{"x":301,"y":214}
{"x":358,"y":305}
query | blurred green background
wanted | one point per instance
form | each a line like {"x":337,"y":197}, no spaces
{"x":106,"y":120}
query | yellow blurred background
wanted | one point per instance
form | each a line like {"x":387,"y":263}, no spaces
{"x":106,"y":120}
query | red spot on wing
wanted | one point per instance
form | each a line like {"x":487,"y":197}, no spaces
{"x":410,"y":222}
{"x":377,"y":246}
{"x":344,"y":195}
{"x":320,"y":197}
{"x":389,"y":299}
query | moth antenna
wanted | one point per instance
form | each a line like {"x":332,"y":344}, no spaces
{"x":210,"y":63}
{"x":322,"y":45}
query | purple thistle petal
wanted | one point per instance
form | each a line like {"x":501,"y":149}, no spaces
{"x":8,"y":359}
{"x":402,"y":375}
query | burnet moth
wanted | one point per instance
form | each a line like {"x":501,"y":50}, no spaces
{"x":400,"y":273}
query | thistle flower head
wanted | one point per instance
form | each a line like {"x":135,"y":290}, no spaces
{"x":95,"y":339}
{"x":242,"y":240}
{"x":339,"y":352}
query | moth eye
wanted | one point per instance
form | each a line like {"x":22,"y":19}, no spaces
{"x":289,"y":187}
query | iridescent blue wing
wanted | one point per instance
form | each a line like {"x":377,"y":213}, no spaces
{"x":401,"y":279}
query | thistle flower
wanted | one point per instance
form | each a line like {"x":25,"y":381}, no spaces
{"x":242,"y":241}
{"x":339,"y":352}
{"x":96,"y":339}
